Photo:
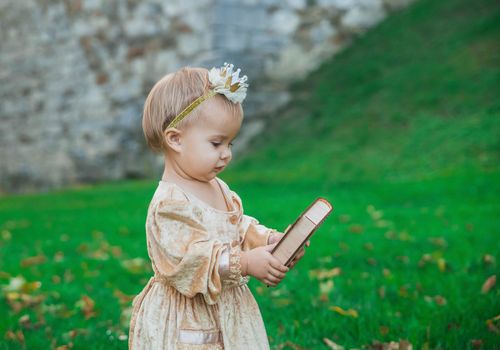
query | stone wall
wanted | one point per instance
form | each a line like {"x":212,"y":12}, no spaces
{"x":74,"y":74}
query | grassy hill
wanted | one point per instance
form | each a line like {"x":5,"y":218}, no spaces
{"x":400,"y":132}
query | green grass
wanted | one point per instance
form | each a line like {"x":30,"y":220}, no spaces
{"x":400,"y":132}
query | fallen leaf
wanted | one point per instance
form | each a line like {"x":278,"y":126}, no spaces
{"x":424,"y":260}
{"x":122,"y":297}
{"x":368,"y":246}
{"x":136,"y":266}
{"x":17,"y":336}
{"x":6,"y":235}
{"x":438,"y":299}
{"x":86,"y":304}
{"x":356,"y":228}
{"x":488,"y":284}
{"x":33,"y":260}
{"x":58,"y":256}
{"x":393,"y":345}
{"x":325,"y":288}
{"x":488,"y":259}
{"x":384,"y":223}
{"x":390,"y":234}
{"x":351,"y":312}
{"x":125,"y":316}
{"x":381,"y":292}
{"x":403,"y":291}
{"x":492,"y":327}
{"x":438,"y":242}
{"x":324,"y":274}
{"x":374,"y":213}
{"x":332,"y":345}
{"x":116,"y":251}
{"x":476,"y":343}
{"x":442,"y":264}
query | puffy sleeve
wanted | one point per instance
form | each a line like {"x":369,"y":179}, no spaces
{"x":186,"y":256}
{"x":254,"y":234}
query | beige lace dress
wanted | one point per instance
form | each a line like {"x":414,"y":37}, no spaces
{"x":197,"y":298}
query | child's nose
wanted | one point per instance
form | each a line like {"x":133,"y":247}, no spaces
{"x":226,"y":153}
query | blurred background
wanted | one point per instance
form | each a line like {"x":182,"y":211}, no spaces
{"x":75,"y":73}
{"x":389,"y":109}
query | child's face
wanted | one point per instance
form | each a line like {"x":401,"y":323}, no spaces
{"x":205,"y":145}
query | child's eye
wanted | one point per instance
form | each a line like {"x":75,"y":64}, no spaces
{"x":231,"y":144}
{"x":216,"y":144}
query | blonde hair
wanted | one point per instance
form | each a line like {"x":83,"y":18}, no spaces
{"x":170,"y":95}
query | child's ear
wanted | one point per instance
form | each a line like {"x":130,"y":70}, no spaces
{"x":172,"y":138}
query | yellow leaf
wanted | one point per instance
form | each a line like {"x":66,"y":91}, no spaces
{"x":323,"y":274}
{"x":441,"y":264}
{"x":339,"y":310}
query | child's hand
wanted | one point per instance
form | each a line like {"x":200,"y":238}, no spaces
{"x":261,"y":264}
{"x":275,"y":237}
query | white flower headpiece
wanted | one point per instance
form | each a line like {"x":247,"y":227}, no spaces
{"x":223,"y":81}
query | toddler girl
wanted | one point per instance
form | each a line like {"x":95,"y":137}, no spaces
{"x":202,"y":247}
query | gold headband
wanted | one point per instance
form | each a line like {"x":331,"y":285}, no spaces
{"x":190,"y":108}
{"x":224,"y":81}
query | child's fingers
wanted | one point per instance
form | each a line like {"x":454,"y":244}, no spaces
{"x":300,"y":254}
{"x":308,"y":243}
{"x":278,"y":266}
{"x":273,"y":279}
{"x":269,"y":283}
{"x":270,"y":247}
{"x":277,"y":273}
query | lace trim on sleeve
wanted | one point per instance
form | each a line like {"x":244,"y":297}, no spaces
{"x":232,"y":274}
